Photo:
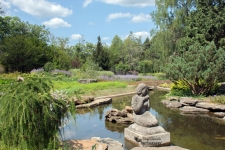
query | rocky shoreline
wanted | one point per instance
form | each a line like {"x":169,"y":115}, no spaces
{"x":186,"y":105}
{"x":189,"y":105}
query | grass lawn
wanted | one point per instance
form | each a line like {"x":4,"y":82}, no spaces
{"x":95,"y":89}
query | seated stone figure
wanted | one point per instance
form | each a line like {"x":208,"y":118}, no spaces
{"x":141,"y":106}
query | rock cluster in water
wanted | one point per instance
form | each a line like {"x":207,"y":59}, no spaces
{"x":189,"y":105}
{"x":121,"y":117}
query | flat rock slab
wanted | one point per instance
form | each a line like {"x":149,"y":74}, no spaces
{"x":211,"y":106}
{"x":219,"y":114}
{"x":165,"y":102}
{"x":159,"y":148}
{"x":190,"y":109}
{"x":95,"y":103}
{"x":87,"y":145}
{"x":116,"y":95}
{"x":146,"y":130}
{"x":96,"y":143}
{"x":188,"y":100}
{"x":111,"y":143}
{"x":174,"y":104}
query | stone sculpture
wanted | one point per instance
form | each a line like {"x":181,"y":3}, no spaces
{"x":141,"y":105}
{"x":144,"y":131}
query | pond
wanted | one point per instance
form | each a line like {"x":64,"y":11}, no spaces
{"x":192,"y":132}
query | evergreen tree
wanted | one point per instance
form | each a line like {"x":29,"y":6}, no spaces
{"x":101,"y":55}
{"x":199,"y":67}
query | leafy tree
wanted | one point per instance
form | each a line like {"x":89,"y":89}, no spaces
{"x":30,"y":116}
{"x":122,"y":68}
{"x":23,"y":53}
{"x":101,"y":55}
{"x":206,"y":24}
{"x":145,"y":66}
{"x":194,"y":36}
{"x":115,"y":51}
{"x":23,"y":46}
{"x":200,"y":67}
{"x":132,"y":51}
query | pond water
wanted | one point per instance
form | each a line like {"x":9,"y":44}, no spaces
{"x":192,"y":132}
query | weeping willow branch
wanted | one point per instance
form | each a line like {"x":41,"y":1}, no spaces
{"x":30,"y":116}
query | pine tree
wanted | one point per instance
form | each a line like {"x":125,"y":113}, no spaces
{"x":101,"y":55}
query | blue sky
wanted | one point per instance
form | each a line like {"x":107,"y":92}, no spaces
{"x":88,"y":18}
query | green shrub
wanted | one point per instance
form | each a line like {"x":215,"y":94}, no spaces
{"x":179,"y":88}
{"x":48,"y":67}
{"x":145,"y":66}
{"x":160,"y":76}
{"x":74,"y":71}
{"x":2,"y":69}
{"x":30,"y":116}
{"x":106,"y":73}
{"x":122,"y":68}
{"x":165,"y":85}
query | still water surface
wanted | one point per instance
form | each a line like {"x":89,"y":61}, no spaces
{"x":192,"y":132}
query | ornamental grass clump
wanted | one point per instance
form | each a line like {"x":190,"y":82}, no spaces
{"x":30,"y":116}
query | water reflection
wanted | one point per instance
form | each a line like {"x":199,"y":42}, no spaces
{"x":192,"y":132}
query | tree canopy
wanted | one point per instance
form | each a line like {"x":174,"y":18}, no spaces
{"x":194,"y":34}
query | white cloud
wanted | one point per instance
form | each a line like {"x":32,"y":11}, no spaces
{"x":87,"y":2}
{"x":142,"y":34}
{"x":141,"y":18}
{"x":41,"y":8}
{"x":76,"y":36}
{"x":105,"y":38}
{"x":56,"y":22}
{"x":16,"y":10}
{"x":129,"y":3}
{"x":134,"y":18}
{"x":118,"y":15}
{"x":5,"y":5}
{"x":90,"y":23}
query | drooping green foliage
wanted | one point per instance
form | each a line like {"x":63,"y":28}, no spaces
{"x":200,"y":67}
{"x":30,"y":115}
